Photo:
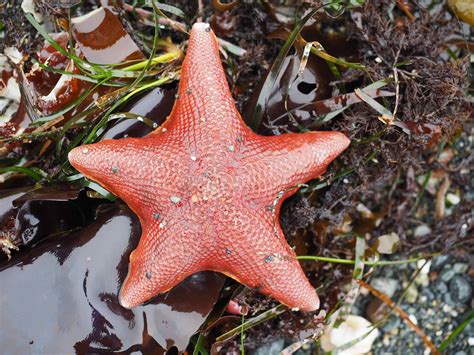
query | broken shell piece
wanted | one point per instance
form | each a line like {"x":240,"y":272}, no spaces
{"x":352,"y":328}
{"x":365,"y":211}
{"x":28,"y":6}
{"x":65,"y":91}
{"x":13,"y":54}
{"x":388,"y":243}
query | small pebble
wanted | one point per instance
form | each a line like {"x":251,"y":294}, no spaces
{"x":460,"y":268}
{"x":446,"y":308}
{"x":441,"y":287}
{"x":413,"y":318}
{"x":273,"y":348}
{"x":422,"y":280}
{"x":386,"y":285}
{"x":421,"y":230}
{"x":439,"y":262}
{"x":412,"y":294}
{"x":448,"y":300}
{"x":426,"y":292}
{"x":460,"y":289}
{"x":453,"y":199}
{"x":423,"y":277}
{"x":392,"y":323}
{"x":447,"y":273}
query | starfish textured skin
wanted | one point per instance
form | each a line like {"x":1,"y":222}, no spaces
{"x":208,"y":190}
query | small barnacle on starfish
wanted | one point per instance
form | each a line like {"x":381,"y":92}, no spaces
{"x":219,"y":213}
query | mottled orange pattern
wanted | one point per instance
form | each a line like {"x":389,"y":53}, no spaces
{"x":208,"y":190}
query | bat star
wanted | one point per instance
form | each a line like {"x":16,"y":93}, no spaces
{"x":208,"y":190}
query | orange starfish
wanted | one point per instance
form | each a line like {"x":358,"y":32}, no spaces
{"x":208,"y":190}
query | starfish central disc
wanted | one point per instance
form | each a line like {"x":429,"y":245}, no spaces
{"x":208,"y":190}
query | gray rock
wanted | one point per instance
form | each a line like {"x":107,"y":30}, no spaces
{"x":438,"y":262}
{"x":392,"y":323}
{"x":271,"y":349}
{"x":430,"y":296}
{"x":411,"y":294}
{"x":386,"y":285}
{"x":447,"y":273}
{"x":448,"y":300}
{"x":460,"y":289}
{"x":389,"y":272}
{"x":460,"y":268}
{"x":441,"y":287}
{"x":469,"y":328}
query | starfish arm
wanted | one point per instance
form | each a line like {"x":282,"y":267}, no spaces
{"x":129,"y":168}
{"x":161,"y":261}
{"x":204,"y":102}
{"x":259,"y":257}
{"x":289,"y":160}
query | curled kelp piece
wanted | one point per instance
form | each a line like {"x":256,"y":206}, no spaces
{"x":51,"y":211}
{"x":291,"y":94}
{"x":154,"y":105}
{"x":102,"y":39}
{"x":29,"y":214}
